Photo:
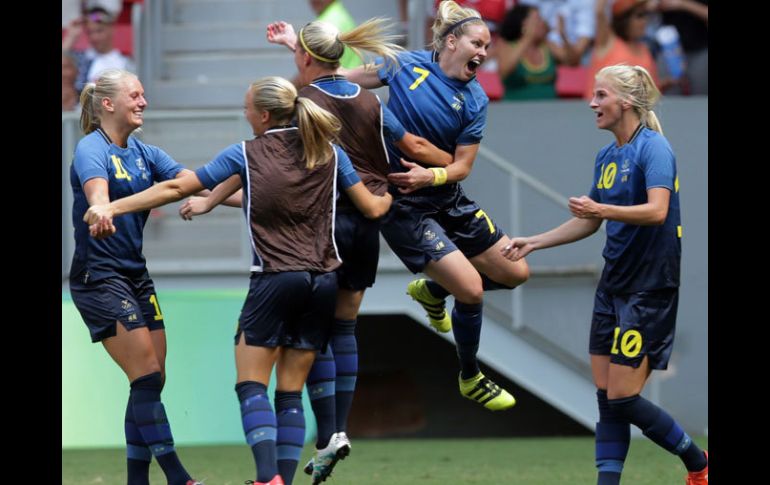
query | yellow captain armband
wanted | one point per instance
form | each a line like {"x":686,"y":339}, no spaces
{"x":439,"y":175}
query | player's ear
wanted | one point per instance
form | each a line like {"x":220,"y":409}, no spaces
{"x":451,"y":42}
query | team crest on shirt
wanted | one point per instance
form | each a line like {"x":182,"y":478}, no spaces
{"x":458,"y":100}
{"x":429,"y":235}
{"x":625,"y":169}
{"x":127,"y":305}
{"x":140,"y":166}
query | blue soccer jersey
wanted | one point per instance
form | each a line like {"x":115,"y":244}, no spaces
{"x":445,"y":111}
{"x":639,"y":258}
{"x":128,"y":171}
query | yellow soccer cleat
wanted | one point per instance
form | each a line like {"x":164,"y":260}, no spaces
{"x":482,"y":390}
{"x":435,"y":307}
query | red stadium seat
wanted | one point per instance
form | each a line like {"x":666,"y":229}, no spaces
{"x":490,"y":82}
{"x":571,"y":81}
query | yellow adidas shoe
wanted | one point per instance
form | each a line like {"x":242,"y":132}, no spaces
{"x":482,"y":390}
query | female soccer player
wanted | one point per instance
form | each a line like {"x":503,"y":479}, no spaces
{"x":109,"y":282}
{"x":632,"y":332}
{"x":433,"y":227}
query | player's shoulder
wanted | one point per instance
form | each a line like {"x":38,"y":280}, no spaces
{"x":477,"y":93}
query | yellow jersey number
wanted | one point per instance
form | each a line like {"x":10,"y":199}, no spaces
{"x":120,"y":172}
{"x":423,"y":74}
{"x":607,"y":176}
{"x":630,"y":343}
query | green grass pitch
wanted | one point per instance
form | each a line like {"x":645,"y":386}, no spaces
{"x":532,"y":461}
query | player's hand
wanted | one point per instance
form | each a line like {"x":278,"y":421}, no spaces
{"x":97,"y":212}
{"x":416,"y":178}
{"x":194,"y":206}
{"x":517,"y":248}
{"x":102,"y":229}
{"x":584,"y":207}
{"x":282,"y":33}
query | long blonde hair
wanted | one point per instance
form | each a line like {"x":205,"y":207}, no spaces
{"x":317,"y":127}
{"x":448,"y":14}
{"x":107,"y":86}
{"x":635,"y":85}
{"x":325,"y":43}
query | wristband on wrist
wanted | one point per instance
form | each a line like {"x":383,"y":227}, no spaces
{"x":439,"y":175}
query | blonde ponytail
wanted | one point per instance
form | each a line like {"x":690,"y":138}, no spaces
{"x":317,"y":127}
{"x":325,"y":43}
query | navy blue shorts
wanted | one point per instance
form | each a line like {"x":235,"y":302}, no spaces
{"x":629,"y":326}
{"x":358,"y":244}
{"x":423,"y":228}
{"x":130,"y":301}
{"x":289,"y":309}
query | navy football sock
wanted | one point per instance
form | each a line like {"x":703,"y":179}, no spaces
{"x":321,"y":387}
{"x":489,"y":285}
{"x":259,"y":426}
{"x":661,"y":428}
{"x":291,"y":432}
{"x":150,"y":418}
{"x":466,"y":327}
{"x":345,"y":350}
{"x":613,"y":436}
{"x":436,"y":289}
{"x":138,"y":455}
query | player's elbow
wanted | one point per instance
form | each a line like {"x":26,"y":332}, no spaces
{"x":659,"y":217}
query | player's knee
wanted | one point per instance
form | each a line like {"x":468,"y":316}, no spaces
{"x":520,"y":273}
{"x":471,"y":294}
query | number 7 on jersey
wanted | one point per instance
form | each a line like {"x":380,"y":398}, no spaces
{"x":423,"y":74}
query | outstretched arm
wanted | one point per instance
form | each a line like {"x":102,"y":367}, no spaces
{"x":571,"y":231}
{"x":156,"y":196}
{"x":226,"y":193}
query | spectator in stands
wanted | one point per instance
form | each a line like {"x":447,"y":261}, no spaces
{"x":636,"y":190}
{"x":101,"y":54}
{"x":525,"y":62}
{"x":112,"y":7}
{"x":289,"y":174}
{"x":572,"y":26}
{"x":109,"y":282}
{"x":433,"y":227}
{"x":620,"y":39}
{"x":690,"y":17}
{"x":70,"y":100}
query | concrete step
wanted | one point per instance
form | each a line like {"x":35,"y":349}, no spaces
{"x":218,"y":36}
{"x":201,"y":11}
{"x":205,"y":93}
{"x":211,"y":66}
